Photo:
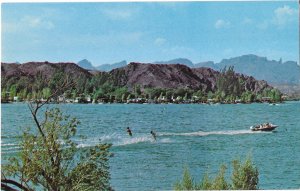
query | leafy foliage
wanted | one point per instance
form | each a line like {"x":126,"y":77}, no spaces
{"x":50,"y":159}
{"x":244,"y":177}
{"x":187,"y":182}
{"x":101,"y":86}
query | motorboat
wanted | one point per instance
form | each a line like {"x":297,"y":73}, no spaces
{"x":263,"y":127}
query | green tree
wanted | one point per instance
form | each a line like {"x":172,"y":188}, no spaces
{"x":219,"y":182}
{"x":119,"y":92}
{"x":229,"y":83}
{"x":275,"y":95}
{"x":46,"y":92}
{"x":98,"y":94}
{"x":244,"y":176}
{"x":23,"y":93}
{"x":3,"y":94}
{"x":185,"y":96}
{"x":50,"y":160}
{"x":210,"y":95}
{"x":258,"y":97}
{"x":161,"y":96}
{"x":12,"y":92}
{"x":123,"y":98}
{"x":137,"y":90}
{"x":180,"y":92}
{"x":205,"y":184}
{"x":29,"y":96}
{"x":129,"y":97}
{"x":40,"y":82}
{"x":187,"y":182}
{"x":169,"y":93}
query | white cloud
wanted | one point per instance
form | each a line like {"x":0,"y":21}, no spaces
{"x":27,"y":23}
{"x":284,"y":15}
{"x":222,"y":24}
{"x":159,"y":41}
{"x":37,"y":22}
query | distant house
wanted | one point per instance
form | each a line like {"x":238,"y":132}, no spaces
{"x":238,"y":101}
{"x":210,"y":100}
{"x":88,"y":99}
{"x":69,"y":100}
{"x":61,"y":98}
{"x":102,"y":100}
{"x":284,"y":97}
{"x":16,"y":98}
{"x":266,"y":99}
{"x":77,"y":100}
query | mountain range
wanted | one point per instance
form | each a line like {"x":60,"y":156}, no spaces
{"x":146,"y":75}
{"x":104,"y":67}
{"x":274,"y":72}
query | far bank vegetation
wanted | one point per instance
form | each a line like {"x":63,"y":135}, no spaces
{"x":230,"y":88}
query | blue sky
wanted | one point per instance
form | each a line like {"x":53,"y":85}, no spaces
{"x":146,"y":32}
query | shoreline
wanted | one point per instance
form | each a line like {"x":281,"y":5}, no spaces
{"x":157,"y":103}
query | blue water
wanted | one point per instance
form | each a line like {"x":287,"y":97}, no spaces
{"x":201,"y":137}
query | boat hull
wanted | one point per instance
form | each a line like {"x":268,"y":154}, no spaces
{"x":271,"y":128}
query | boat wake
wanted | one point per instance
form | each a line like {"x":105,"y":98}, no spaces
{"x":120,"y":140}
{"x":204,"y":133}
{"x":133,"y":140}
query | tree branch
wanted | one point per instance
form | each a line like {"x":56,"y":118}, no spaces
{"x":12,"y":182}
{"x":7,"y":188}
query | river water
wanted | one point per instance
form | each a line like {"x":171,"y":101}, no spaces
{"x":200,"y":137}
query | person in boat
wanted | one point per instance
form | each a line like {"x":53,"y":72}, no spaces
{"x":129,"y":132}
{"x":153,"y":134}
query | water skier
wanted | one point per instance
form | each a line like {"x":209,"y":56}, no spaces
{"x":129,"y":132}
{"x":153,"y":134}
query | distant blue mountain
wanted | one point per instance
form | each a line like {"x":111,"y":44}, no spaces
{"x":274,"y":72}
{"x":109,"y":67}
{"x":183,"y":61}
{"x":208,"y":64}
{"x":86,"y":64}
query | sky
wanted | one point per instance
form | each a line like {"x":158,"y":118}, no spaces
{"x":148,"y":31}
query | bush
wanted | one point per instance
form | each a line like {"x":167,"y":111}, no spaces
{"x":244,"y":177}
{"x":187,"y":182}
{"x":50,"y":159}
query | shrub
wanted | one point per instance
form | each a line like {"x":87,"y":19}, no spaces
{"x":50,"y":159}
{"x":244,"y":177}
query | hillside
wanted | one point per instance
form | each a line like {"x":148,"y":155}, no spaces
{"x":172,"y":76}
{"x":274,"y":72}
{"x":46,"y":69}
{"x":183,"y":61}
{"x":175,"y":76}
{"x":30,"y":78}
